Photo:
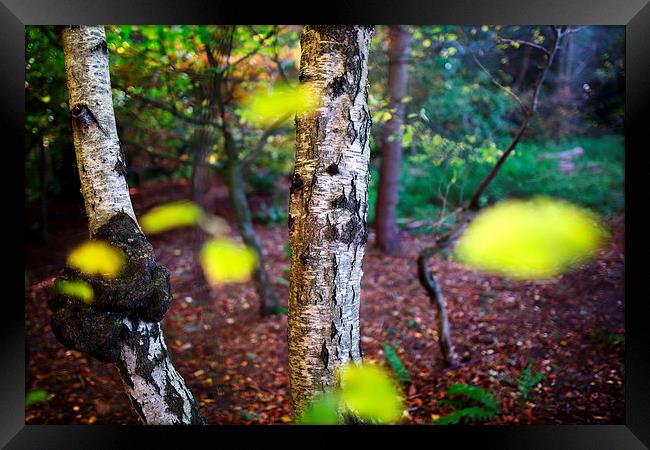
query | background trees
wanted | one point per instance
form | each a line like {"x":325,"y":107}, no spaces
{"x":391,"y":153}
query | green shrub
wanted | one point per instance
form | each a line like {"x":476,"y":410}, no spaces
{"x":452,"y":171}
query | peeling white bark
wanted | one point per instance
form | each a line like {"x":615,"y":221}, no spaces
{"x":328,"y":209}
{"x":150,"y":394}
{"x":156,"y":389}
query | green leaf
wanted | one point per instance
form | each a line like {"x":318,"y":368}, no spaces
{"x":36,"y":396}
{"x":283,"y":101}
{"x":323,"y":410}
{"x":97,"y":258}
{"x":401,"y":373}
{"x":75,"y":288}
{"x":224,"y":261}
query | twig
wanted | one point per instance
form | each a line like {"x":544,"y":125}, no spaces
{"x":492,"y":78}
{"x":522,"y":42}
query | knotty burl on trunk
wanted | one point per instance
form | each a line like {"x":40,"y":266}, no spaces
{"x":121,"y":325}
{"x":328,"y":208}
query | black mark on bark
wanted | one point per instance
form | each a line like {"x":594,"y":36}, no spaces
{"x":324,"y":355}
{"x":101,"y":46}
{"x":332,"y":169}
{"x":296,"y":183}
{"x":84,"y":117}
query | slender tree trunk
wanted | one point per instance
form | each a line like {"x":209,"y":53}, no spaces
{"x":467,"y":213}
{"x":523,"y":71}
{"x":268,"y":297}
{"x":44,"y":168}
{"x":391,"y":156}
{"x":121,"y":324}
{"x":327,"y":209}
{"x":200,"y":171}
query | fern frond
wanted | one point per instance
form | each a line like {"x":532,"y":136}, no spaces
{"x":401,"y":372}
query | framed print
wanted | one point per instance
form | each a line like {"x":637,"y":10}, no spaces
{"x":411,"y":219}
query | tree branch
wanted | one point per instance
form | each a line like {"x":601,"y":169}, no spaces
{"x":522,"y":42}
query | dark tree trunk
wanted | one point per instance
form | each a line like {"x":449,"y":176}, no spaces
{"x":200,"y":171}
{"x":268,"y":297}
{"x":389,"y":171}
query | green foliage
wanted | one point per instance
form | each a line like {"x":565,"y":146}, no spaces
{"x":275,"y":214}
{"x":528,"y":380}
{"x":36,"y":396}
{"x":322,"y":411}
{"x":609,"y":338}
{"x":280,"y":310}
{"x":400,"y":371}
{"x":365,"y":392}
{"x":472,"y":404}
{"x":431,"y":191}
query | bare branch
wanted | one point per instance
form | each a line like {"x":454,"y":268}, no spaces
{"x":262,"y":141}
{"x":164,"y":106}
{"x":522,"y":42}
{"x":507,"y":90}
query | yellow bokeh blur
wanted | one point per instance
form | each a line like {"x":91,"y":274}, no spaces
{"x":171,"y":215}
{"x":530,"y":239}
{"x":223,"y":261}
{"x":97,"y":258}
{"x":369,"y":391}
{"x":283,"y":101}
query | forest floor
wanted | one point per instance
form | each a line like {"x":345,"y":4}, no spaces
{"x":235,"y":362}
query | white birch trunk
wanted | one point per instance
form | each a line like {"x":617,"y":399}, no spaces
{"x":157,"y":390}
{"x":327,"y":210}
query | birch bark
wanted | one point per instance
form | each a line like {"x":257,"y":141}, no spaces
{"x":327,"y":209}
{"x":158,"y":392}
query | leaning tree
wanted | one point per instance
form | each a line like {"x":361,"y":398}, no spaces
{"x":121,"y":325}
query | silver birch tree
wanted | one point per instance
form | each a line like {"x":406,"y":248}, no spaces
{"x":121,"y":325}
{"x":327,"y":209}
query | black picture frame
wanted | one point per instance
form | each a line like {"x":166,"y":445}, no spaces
{"x":15,"y":14}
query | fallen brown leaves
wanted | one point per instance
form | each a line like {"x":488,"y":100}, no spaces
{"x":235,"y":363}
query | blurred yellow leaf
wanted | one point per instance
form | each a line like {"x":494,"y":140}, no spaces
{"x":530,"y":239}
{"x":266,"y":108}
{"x":97,"y":258}
{"x":224,"y":261}
{"x":171,"y":215}
{"x":75,"y":288}
{"x":46,"y":99}
{"x":369,"y":391}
